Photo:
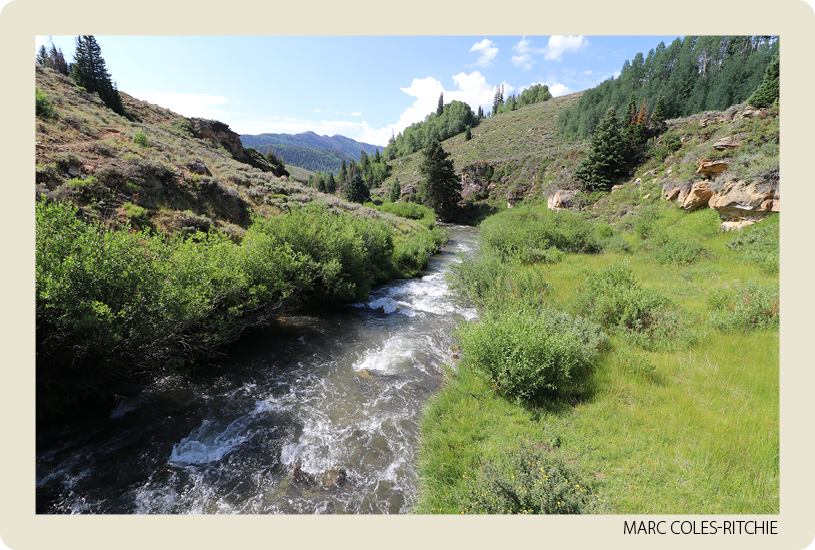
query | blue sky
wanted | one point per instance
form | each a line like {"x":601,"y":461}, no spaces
{"x":362,"y":87}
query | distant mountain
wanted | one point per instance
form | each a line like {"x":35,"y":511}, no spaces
{"x":310,"y":151}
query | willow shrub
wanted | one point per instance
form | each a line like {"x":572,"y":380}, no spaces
{"x":536,"y":356}
{"x":613,"y":298}
{"x":751,"y":307}
{"x":537,"y":234}
{"x":109,"y":302}
{"x":532,"y":481}
{"x":484,"y":281}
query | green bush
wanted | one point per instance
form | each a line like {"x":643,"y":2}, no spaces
{"x":44,"y":108}
{"x":485,"y":281}
{"x":140,"y":139}
{"x":409,"y":210}
{"x":671,"y":250}
{"x":530,"y":233}
{"x":537,"y":356}
{"x":532,"y":481}
{"x":752,"y":307}
{"x":613,"y":298}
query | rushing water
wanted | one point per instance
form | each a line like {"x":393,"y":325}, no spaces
{"x":318,"y":413}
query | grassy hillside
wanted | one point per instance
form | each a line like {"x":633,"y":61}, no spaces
{"x":161,"y":239}
{"x":522,"y":146}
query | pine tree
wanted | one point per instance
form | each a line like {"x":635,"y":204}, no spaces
{"x":331,"y":184}
{"x":343,"y":174}
{"x":89,"y":72}
{"x":357,"y":191}
{"x":768,"y":92}
{"x":440,"y":189}
{"x":658,"y":116}
{"x":396,"y":190}
{"x":468,"y":134}
{"x":605,"y":161}
{"x":440,"y":108}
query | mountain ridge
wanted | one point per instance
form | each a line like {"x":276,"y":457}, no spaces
{"x":309,"y":150}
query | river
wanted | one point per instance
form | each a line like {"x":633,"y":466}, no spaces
{"x":318,"y":413}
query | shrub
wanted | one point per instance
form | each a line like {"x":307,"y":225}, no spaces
{"x":529,"y":234}
{"x":532,"y":481}
{"x":671,"y":250}
{"x":44,"y":108}
{"x":140,"y":139}
{"x":752,"y":307}
{"x":537,"y":356}
{"x":614,"y":299}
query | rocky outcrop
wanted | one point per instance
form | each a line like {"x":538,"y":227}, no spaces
{"x":219,"y":134}
{"x":475,"y":180}
{"x":710,"y":168}
{"x":698,"y":196}
{"x":561,"y":199}
{"x":726,"y":143}
{"x":741,"y":203}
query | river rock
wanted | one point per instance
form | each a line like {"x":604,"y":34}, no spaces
{"x":332,"y":479}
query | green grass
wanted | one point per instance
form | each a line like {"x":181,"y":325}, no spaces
{"x":688,"y":428}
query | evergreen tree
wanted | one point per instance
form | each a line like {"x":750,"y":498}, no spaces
{"x":658,"y":116}
{"x":343,"y":174}
{"x":769,"y":90}
{"x":468,"y":135}
{"x":440,"y":189}
{"x":440,"y":108}
{"x":606,"y":160}
{"x":331,"y":184}
{"x":396,"y":190}
{"x":498,"y":99}
{"x":89,"y":72}
{"x":357,"y":191}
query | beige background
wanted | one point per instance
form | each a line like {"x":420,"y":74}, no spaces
{"x":21,"y":20}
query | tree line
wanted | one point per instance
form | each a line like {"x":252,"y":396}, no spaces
{"x":693,"y":74}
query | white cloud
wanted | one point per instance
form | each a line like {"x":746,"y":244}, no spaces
{"x":488,"y":51}
{"x":524,"y":56}
{"x":558,"y":45}
{"x":322,"y":111}
{"x":356,"y":114}
{"x":557,"y":89}
{"x":188,"y":105}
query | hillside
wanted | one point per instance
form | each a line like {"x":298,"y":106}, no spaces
{"x":162,"y":239}
{"x":728,"y":158}
{"x":309,"y":151}
{"x":163,"y":171}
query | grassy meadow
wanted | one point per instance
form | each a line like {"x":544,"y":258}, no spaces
{"x":678,"y":412}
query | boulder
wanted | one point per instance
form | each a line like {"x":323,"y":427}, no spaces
{"x":198,"y":167}
{"x":561,"y":199}
{"x":697,"y":197}
{"x":710,"y":168}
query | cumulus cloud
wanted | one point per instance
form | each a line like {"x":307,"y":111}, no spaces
{"x":188,"y":105}
{"x":558,"y":45}
{"x":487,"y":50}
